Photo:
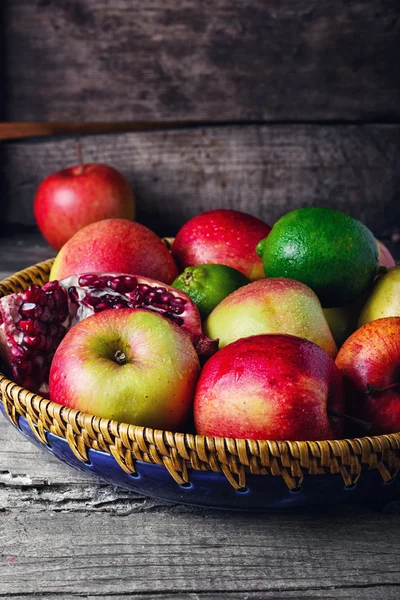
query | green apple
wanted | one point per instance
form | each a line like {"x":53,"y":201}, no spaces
{"x":384,"y":300}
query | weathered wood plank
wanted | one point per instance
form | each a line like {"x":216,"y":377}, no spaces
{"x":215,"y":60}
{"x":66,"y":535}
{"x":266,"y":170}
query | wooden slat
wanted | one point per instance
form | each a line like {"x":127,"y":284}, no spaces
{"x":10,"y":131}
{"x":210,"y":61}
{"x":265,"y":170}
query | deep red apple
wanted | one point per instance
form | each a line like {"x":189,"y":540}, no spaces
{"x":72,"y":198}
{"x":273,"y":387}
{"x":115,"y":246}
{"x":130,"y":365}
{"x":370,"y":364}
{"x":225,"y":237}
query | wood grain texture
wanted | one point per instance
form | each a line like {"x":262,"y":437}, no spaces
{"x":266,"y":171}
{"x":215,"y":60}
{"x":66,"y":535}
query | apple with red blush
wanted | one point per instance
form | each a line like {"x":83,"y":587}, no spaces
{"x":70,"y":199}
{"x":369,"y":361}
{"x":115,"y":246}
{"x":130,"y":365}
{"x":222,"y":236}
{"x":272,"y":386}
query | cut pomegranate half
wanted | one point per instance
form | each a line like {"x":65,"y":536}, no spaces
{"x":33,"y":322}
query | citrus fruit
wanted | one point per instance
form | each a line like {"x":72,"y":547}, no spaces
{"x":331,"y":252}
{"x":208,"y":285}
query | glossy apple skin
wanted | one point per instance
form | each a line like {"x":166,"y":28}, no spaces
{"x":371,"y":357}
{"x":115,"y":246}
{"x":155,"y":388}
{"x":275,"y":387}
{"x":70,"y":199}
{"x":225,"y":237}
{"x":273,"y":305}
{"x":384,"y":299}
{"x":384,"y":256}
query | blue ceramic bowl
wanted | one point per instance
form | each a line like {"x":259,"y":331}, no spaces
{"x":210,"y":489}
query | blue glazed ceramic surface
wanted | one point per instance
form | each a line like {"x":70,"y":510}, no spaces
{"x":209,"y":489}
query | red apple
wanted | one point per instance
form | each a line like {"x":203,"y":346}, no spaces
{"x":384,"y":256}
{"x":370,"y":364}
{"x":226,"y":237}
{"x":72,"y":198}
{"x":273,"y":387}
{"x":130,"y":365}
{"x":115,"y":246}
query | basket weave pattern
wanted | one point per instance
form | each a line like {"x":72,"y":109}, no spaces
{"x":180,"y":452}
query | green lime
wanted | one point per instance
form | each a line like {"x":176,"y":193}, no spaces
{"x":331,"y":252}
{"x":208,"y":285}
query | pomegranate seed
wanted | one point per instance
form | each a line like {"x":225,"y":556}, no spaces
{"x":160,"y":290}
{"x":51,"y":286}
{"x":91,"y":300}
{"x":143,"y":287}
{"x":51,"y":303}
{"x":102,"y":282}
{"x":32,"y":340}
{"x":118,"y":284}
{"x":43,"y":299}
{"x":88,"y":279}
{"x":18,"y":352}
{"x":30,"y":309}
{"x":46,"y":315}
{"x":102,"y":306}
{"x":177,"y":310}
{"x":166,"y":298}
{"x":32,"y":294}
{"x":178,"y":301}
{"x":60,"y":298}
{"x":119,"y":305}
{"x":150,"y":296}
{"x":130,"y":283}
{"x":136,"y":297}
{"x":27,"y":326}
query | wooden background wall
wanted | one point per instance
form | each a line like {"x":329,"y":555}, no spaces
{"x":261,"y":106}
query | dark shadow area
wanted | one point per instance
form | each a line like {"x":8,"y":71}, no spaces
{"x":3,"y":52}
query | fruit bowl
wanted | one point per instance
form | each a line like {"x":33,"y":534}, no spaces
{"x":215,"y":472}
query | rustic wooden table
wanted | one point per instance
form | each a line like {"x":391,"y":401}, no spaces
{"x":65,"y":535}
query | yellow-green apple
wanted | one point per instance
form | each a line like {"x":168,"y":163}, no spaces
{"x":115,"y":246}
{"x":72,"y":198}
{"x":384,"y":300}
{"x":275,"y":305}
{"x":342,"y":320}
{"x":130,"y":365}
{"x":221,"y":236}
{"x":370,"y":364}
{"x":385,"y":257}
{"x":270,"y":387}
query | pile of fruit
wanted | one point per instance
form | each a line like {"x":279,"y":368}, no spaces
{"x":234,"y":330}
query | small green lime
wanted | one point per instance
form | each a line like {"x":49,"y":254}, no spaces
{"x":208,"y":285}
{"x":331,"y":252}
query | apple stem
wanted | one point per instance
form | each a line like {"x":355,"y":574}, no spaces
{"x":80,"y":157}
{"x":364,"y":425}
{"x":371,"y":389}
{"x":120,"y":357}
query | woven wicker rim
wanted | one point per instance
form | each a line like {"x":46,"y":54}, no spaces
{"x":180,"y":452}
